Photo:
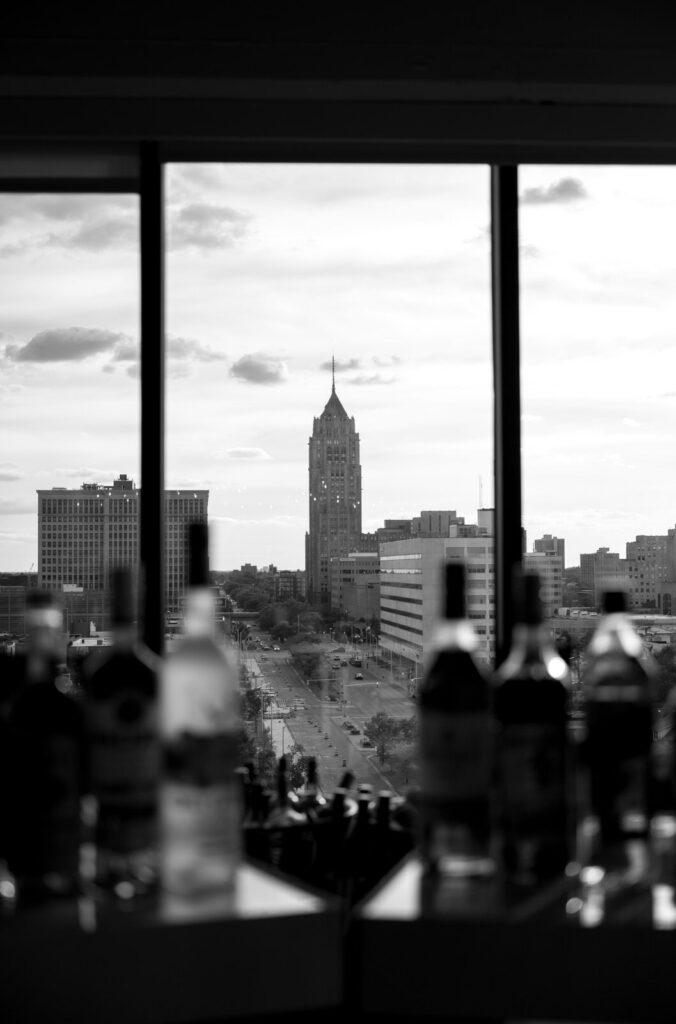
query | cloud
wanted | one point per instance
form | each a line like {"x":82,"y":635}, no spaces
{"x":134,"y":370}
{"x":245,"y":454}
{"x":627,"y":421}
{"x":188,"y":348}
{"x":259,"y":369}
{"x":341,"y":365}
{"x":17,"y":506}
{"x":9,"y":472}
{"x":86,"y":473}
{"x":61,"y":344}
{"x":372,"y":378}
{"x":104,"y":233}
{"x":528,"y":252}
{"x":566,"y":190}
{"x":206,"y":226}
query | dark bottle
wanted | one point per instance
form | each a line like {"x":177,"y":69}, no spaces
{"x":618,"y":693}
{"x":46,"y":751}
{"x":533,"y":758}
{"x":287,"y":824}
{"x":121,"y":717}
{"x":310,"y":798}
{"x":360,"y":851}
{"x":455,"y":753}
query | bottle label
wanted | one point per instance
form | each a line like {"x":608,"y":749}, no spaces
{"x":455,"y":755}
{"x":124,"y":770}
{"x":532,"y":772}
{"x":124,"y":749}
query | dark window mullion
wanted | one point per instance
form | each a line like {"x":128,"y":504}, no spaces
{"x":507,"y":422}
{"x":152,"y":395}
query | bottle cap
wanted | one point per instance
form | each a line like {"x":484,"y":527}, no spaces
{"x":454,"y":588}
{"x":122,"y":583}
{"x":198,"y":548}
{"x":39,"y":599}
{"x":615,"y":601}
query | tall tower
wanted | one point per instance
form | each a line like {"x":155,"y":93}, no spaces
{"x":335,"y":495}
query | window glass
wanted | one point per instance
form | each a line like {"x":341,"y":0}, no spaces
{"x":69,"y":401}
{"x":329,"y":374}
{"x":599,"y":403}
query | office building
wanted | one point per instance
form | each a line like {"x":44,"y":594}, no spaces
{"x":84,"y":533}
{"x":335,"y":496}
{"x":411,"y":589}
{"x":549,"y":566}
{"x":599,"y":571}
{"x":548,"y":545}
{"x":355,"y":584}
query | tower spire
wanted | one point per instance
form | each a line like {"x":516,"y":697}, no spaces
{"x":333,"y":375}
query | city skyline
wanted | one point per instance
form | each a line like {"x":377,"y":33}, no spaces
{"x":270,"y":270}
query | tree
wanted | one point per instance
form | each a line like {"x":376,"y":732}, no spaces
{"x":252,"y":704}
{"x":296,"y":765}
{"x":383,"y":731}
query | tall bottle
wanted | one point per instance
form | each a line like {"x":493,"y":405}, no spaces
{"x":121,"y":716}
{"x":46,"y":753}
{"x":455,"y":754}
{"x":200,"y":718}
{"x":618,"y":693}
{"x":534,"y":767}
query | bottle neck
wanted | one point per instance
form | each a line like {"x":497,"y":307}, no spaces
{"x":124,"y":636}
{"x":457,"y":634}
{"x":531,"y":640}
{"x":198,"y":619}
{"x":616,"y":632}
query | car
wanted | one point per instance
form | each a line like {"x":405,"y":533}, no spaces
{"x":358,"y":675}
{"x":276,"y":648}
{"x":343,"y":662}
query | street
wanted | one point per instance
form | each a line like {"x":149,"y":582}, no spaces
{"x":319,"y":729}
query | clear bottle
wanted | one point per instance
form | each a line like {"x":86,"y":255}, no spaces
{"x":455,"y":746}
{"x":534,"y":761}
{"x":47,"y":763}
{"x":121,"y":715}
{"x":616,"y":794}
{"x":199,"y":726}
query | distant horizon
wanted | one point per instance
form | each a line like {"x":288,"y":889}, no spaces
{"x":272,"y":269}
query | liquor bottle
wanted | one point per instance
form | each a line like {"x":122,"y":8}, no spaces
{"x":533,"y":757}
{"x":616,"y":795}
{"x":455,"y":753}
{"x":359,"y":851}
{"x":310,"y":798}
{"x":199,"y":726}
{"x":121,"y":717}
{"x":46,"y":756}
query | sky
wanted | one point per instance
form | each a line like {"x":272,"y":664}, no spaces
{"x":274,"y":269}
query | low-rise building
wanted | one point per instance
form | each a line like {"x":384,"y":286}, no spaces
{"x":411,"y":588}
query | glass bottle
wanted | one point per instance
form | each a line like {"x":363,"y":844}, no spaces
{"x":121,"y":716}
{"x":199,"y":726}
{"x":618,"y":692}
{"x":455,"y":753}
{"x":534,"y":769}
{"x":47,"y":763}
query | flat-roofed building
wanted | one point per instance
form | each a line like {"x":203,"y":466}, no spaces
{"x":411,"y":588}
{"x":85,"y":533}
{"x":549,"y":567}
{"x":355,"y":584}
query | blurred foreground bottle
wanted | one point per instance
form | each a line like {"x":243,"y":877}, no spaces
{"x":535,"y":782}
{"x":615,"y":812}
{"x":46,"y":757}
{"x":121,"y":715}
{"x":455,"y":746}
{"x":200,"y":720}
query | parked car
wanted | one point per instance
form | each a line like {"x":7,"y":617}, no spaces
{"x":358,"y":675}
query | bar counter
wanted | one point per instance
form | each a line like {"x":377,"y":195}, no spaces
{"x":427,"y":951}
{"x":275,"y":949}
